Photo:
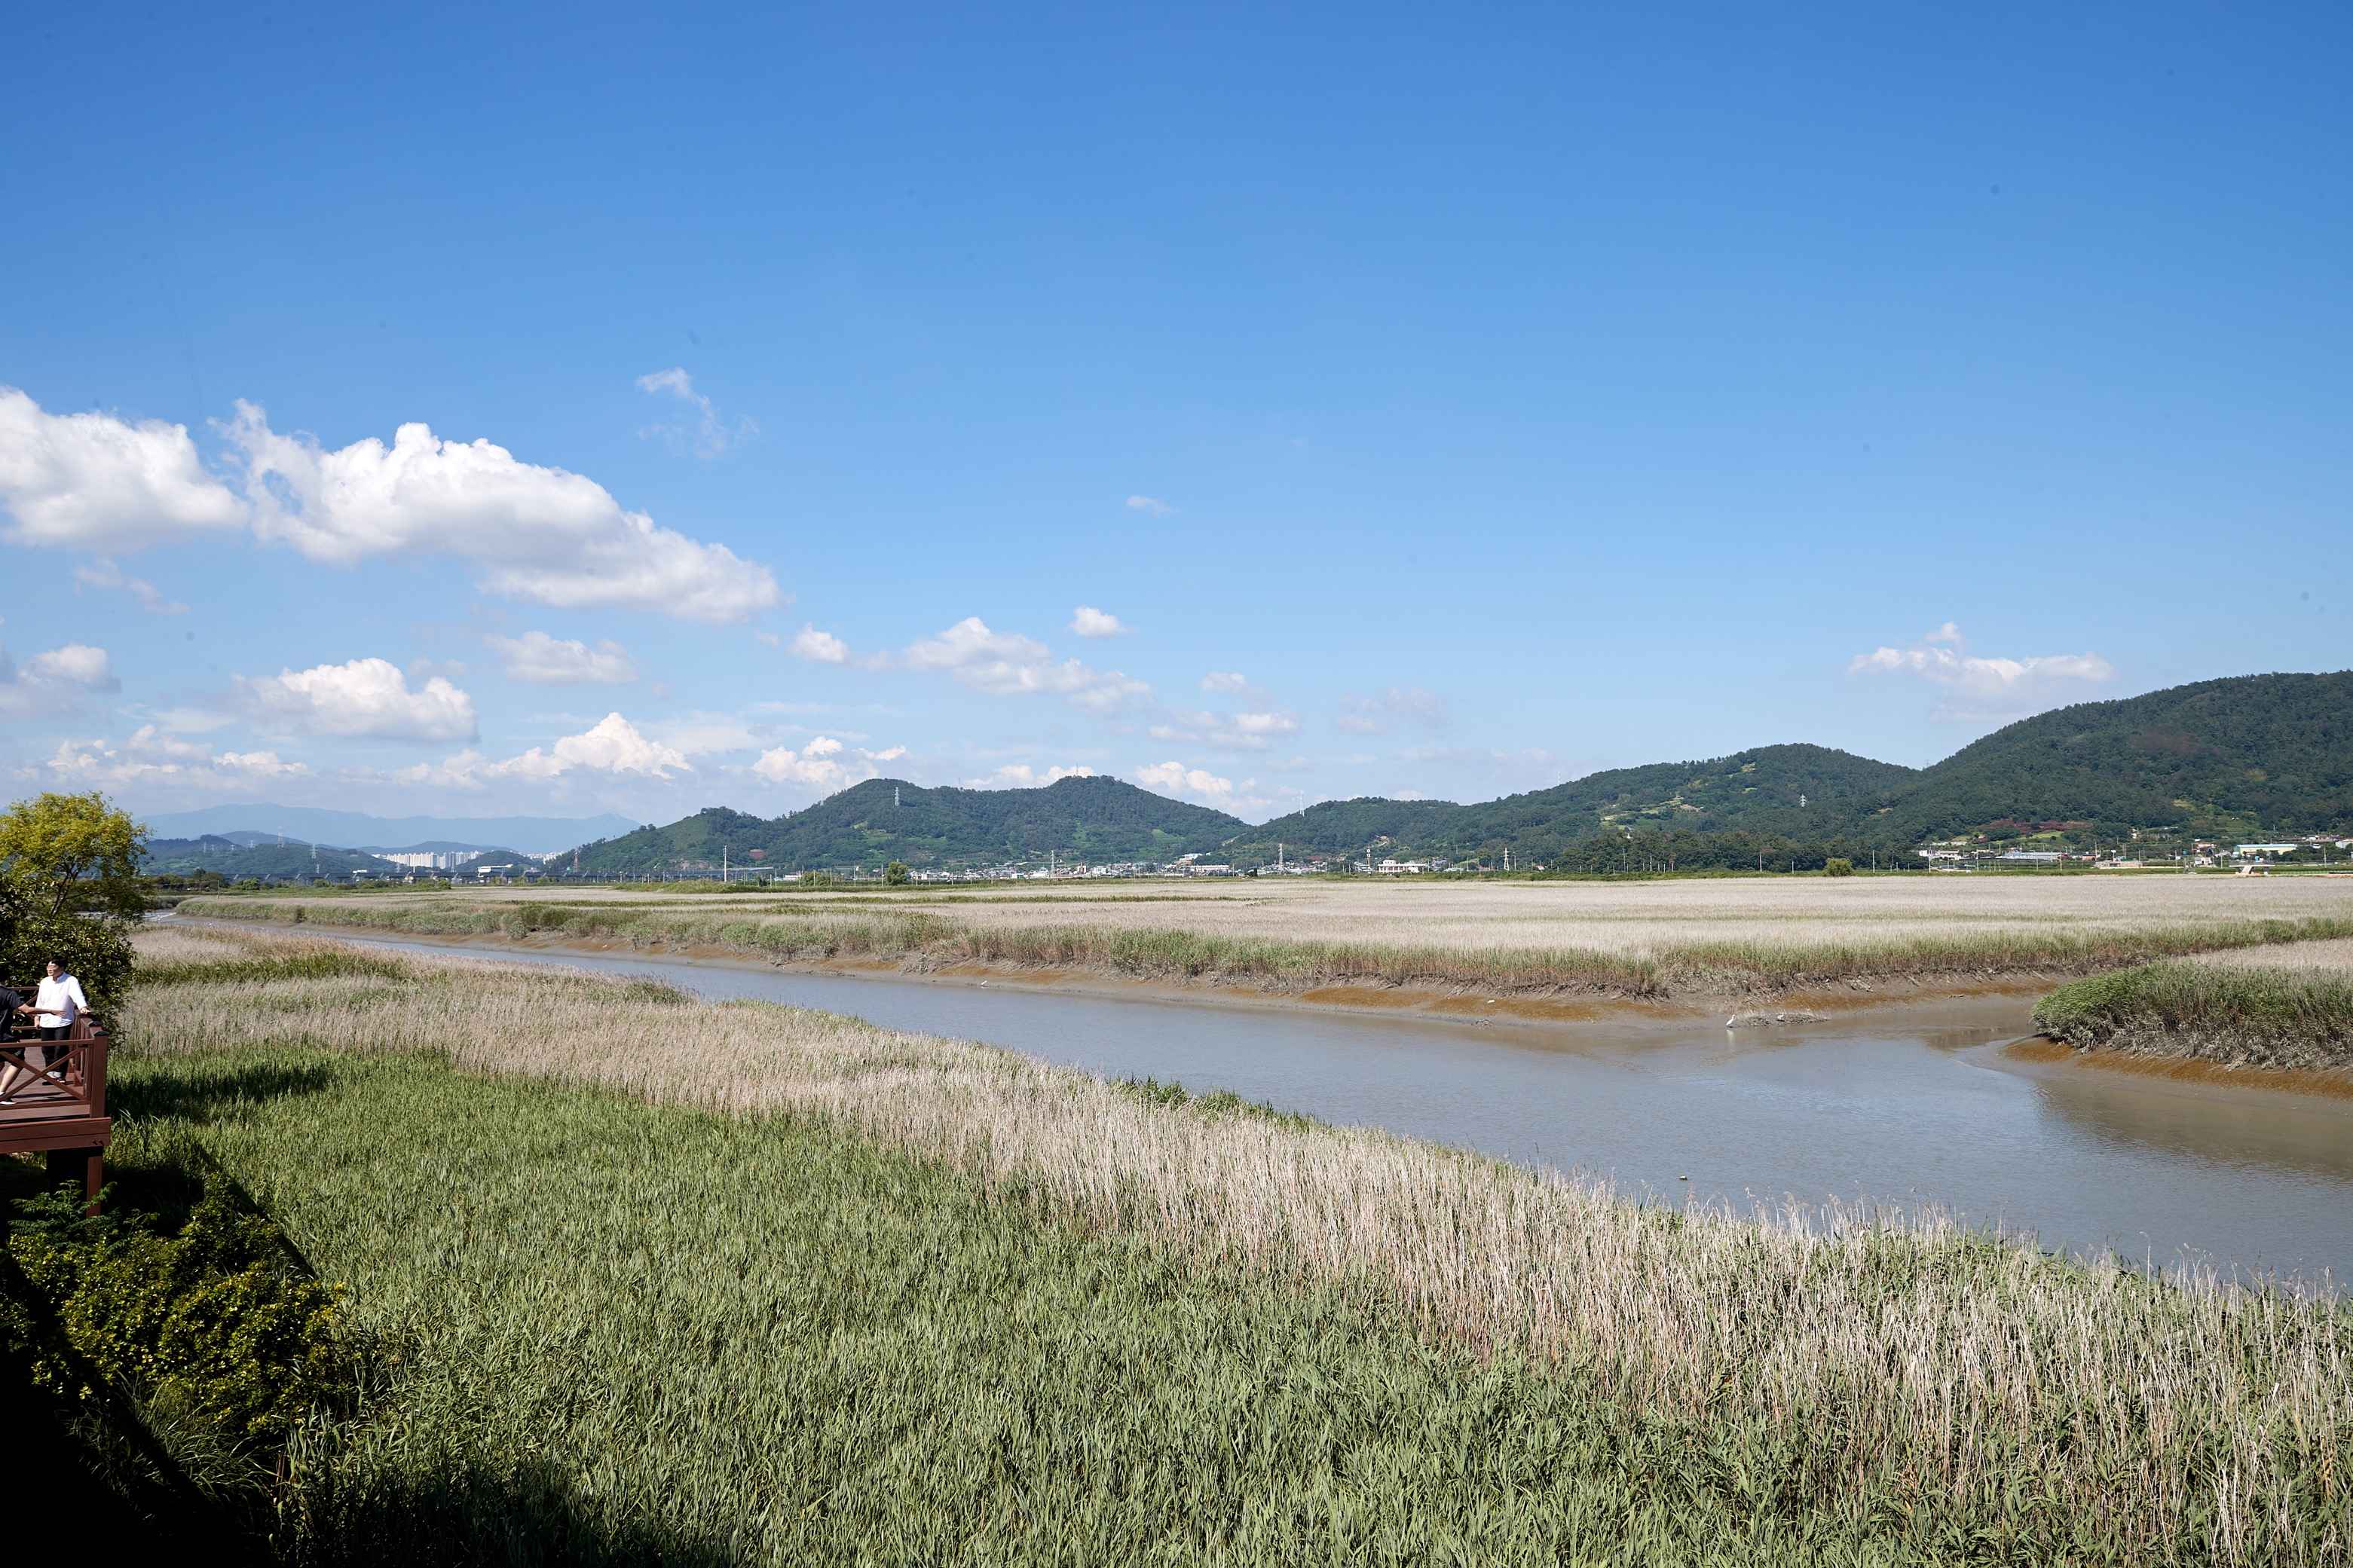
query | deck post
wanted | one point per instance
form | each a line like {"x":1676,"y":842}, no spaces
{"x":89,"y":1164}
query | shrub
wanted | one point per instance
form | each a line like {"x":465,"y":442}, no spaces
{"x":1838,"y":867}
{"x":214,"y":1323}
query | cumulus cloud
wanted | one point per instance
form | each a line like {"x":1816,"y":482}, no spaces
{"x":612,"y":745}
{"x":367,"y":697}
{"x":105,"y":574}
{"x":819,"y":764}
{"x":75,"y":664}
{"x":710,"y":434}
{"x":97,"y":481}
{"x":1377,"y":714}
{"x":1009,"y":664}
{"x":1089,"y":622}
{"x":821,"y":647}
{"x":1253,"y":732}
{"x":152,"y":759}
{"x":1176,"y":779}
{"x":541,"y":659}
{"x":1980,"y":686}
{"x":537,"y":533}
{"x":54,"y":679}
{"x":1232,"y":681}
{"x":1150,"y":505}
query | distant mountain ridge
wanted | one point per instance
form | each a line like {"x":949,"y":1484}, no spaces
{"x":2264,"y":753}
{"x":320,"y":824}
{"x":880,"y":820}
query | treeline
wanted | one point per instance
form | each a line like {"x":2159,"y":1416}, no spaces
{"x":1655,"y":854}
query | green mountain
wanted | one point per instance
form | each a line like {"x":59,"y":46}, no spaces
{"x":267,"y":859}
{"x":2263,"y":753}
{"x":2254,"y":753}
{"x":882,"y":820}
{"x":1787,"y":791}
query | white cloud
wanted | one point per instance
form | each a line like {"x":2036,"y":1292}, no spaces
{"x":1021,"y":775}
{"x":710,"y":436}
{"x":152,"y":759}
{"x":539,"y":533}
{"x":1399,"y":704}
{"x":818,"y":764}
{"x":105,"y":574}
{"x":367,"y":697}
{"x":823,"y":647}
{"x":75,"y":664}
{"x":542,"y":659}
{"x":1176,"y":779}
{"x":1008,"y":664}
{"x":1982,"y":687}
{"x":888,"y":755}
{"x":1253,"y":732}
{"x":1090,"y":622}
{"x":97,"y":481}
{"x":1152,"y":505}
{"x":1232,"y":681}
{"x":612,"y":745}
{"x":53,"y":682}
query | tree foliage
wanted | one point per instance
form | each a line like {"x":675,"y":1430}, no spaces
{"x":69,"y":891}
{"x":73,"y":852}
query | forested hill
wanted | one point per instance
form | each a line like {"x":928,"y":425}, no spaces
{"x":883,"y":820}
{"x":1794,"y":792}
{"x":2258,"y":753}
{"x":2246,"y":756}
{"x":267,"y":857}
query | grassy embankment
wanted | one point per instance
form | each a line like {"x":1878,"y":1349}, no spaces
{"x":918,"y":940}
{"x":749,"y":1282}
{"x":2225,"y":1016}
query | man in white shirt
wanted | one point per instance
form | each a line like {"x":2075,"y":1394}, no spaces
{"x":54,"y":1007}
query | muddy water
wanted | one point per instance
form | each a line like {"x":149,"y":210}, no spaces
{"x":1912,"y":1106}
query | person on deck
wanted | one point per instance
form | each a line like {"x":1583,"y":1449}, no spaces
{"x":54,"y":1007}
{"x":11,"y":1005}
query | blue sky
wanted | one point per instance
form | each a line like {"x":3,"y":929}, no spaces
{"x":567,"y":410}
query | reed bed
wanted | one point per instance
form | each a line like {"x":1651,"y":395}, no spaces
{"x":2296,"y":1015}
{"x":1762,"y":946}
{"x":1925,"y":1376}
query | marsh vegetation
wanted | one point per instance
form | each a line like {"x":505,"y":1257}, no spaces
{"x":1647,"y":941}
{"x":762,"y":1283}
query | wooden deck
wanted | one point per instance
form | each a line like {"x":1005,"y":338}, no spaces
{"x":63,"y":1116}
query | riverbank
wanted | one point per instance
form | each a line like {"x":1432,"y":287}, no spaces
{"x":2286,"y":1016}
{"x":1233,"y":1334}
{"x":1803,"y":963}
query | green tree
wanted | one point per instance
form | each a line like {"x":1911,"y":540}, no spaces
{"x":1838,"y":866}
{"x":73,"y":852}
{"x":897,"y":874}
{"x":69,"y":890}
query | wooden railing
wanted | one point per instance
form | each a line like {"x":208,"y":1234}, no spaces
{"x":64,"y":1117}
{"x":78,"y":1061}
